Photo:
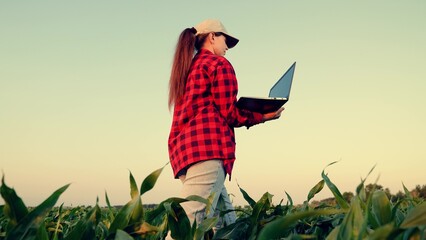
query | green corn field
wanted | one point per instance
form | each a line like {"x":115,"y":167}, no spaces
{"x":365,"y":216}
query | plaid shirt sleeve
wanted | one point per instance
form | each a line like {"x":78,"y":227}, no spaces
{"x":224,"y":91}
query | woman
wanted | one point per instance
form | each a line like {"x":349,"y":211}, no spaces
{"x":203,"y":91}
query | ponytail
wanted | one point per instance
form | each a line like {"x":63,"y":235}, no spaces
{"x":184,"y":53}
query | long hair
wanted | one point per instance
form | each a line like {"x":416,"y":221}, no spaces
{"x":186,"y":47}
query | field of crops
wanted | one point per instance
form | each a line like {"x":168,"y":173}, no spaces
{"x":366,"y":216}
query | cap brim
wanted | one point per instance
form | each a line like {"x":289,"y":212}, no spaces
{"x":231,"y":41}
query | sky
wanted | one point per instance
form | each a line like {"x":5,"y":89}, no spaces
{"x":84,"y":84}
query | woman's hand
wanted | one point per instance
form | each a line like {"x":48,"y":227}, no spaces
{"x":272,"y":115}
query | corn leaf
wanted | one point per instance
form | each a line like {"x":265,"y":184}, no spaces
{"x":122,"y":235}
{"x":130,"y":213}
{"x":407,"y":193}
{"x":198,"y":199}
{"x":55,"y":234}
{"x":333,"y":234}
{"x":86,"y":227}
{"x":149,"y":182}
{"x":372,"y":219}
{"x":381,"y":208}
{"x":396,"y":212}
{"x":134,"y":192}
{"x":416,"y":217}
{"x":259,"y":211}
{"x":360,"y":190}
{"x":237,"y":230}
{"x":209,"y":208}
{"x":29,"y":225}
{"x":339,"y":198}
{"x":250,"y":200}
{"x":382,"y":233}
{"x":14,"y":207}
{"x":290,"y":200}
{"x":284,"y":225}
{"x":41,"y":233}
{"x":110,"y":212}
{"x":351,"y":226}
{"x":204,"y":227}
{"x":144,"y":229}
{"x":160,"y":210}
{"x":261,"y":207}
{"x":316,"y":189}
{"x":178,"y":222}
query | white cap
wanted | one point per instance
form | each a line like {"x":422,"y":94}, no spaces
{"x":213,"y":25}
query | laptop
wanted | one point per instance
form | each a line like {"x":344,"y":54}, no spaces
{"x":278,"y":95}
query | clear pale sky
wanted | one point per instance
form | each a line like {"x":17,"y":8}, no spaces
{"x":83,"y":95}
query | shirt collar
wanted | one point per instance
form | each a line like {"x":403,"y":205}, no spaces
{"x":204,"y":51}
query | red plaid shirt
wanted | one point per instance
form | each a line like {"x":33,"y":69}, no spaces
{"x":203,"y":122}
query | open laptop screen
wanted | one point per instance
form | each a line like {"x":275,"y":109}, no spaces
{"x":281,"y":88}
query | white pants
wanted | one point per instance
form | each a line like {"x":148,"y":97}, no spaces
{"x":202,"y":179}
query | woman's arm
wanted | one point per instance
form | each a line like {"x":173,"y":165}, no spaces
{"x":225,"y":90}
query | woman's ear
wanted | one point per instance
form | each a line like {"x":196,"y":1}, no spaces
{"x":211,"y":36}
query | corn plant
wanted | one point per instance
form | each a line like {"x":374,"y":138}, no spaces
{"x":24,"y":224}
{"x":365,"y":216}
{"x":130,"y":222}
{"x":374,"y":217}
